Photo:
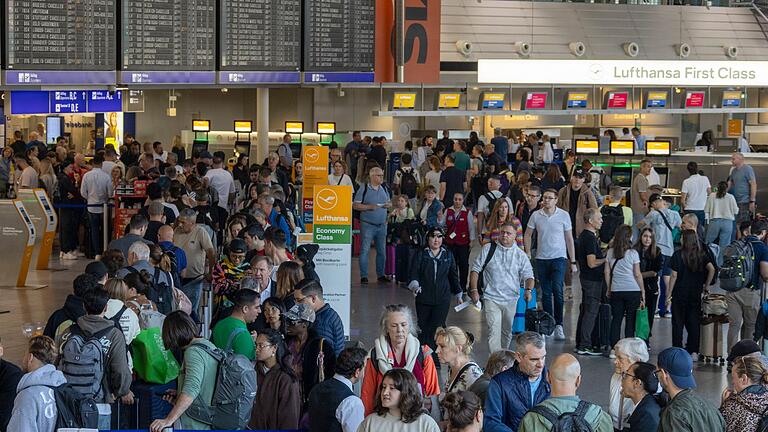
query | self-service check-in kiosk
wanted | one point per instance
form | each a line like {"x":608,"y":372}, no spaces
{"x":40,"y":210}
{"x":17,"y":233}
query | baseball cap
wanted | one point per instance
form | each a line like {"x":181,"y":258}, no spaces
{"x":742,"y":348}
{"x":579,"y":172}
{"x":301,"y":312}
{"x":679,"y":365}
{"x":97,"y":269}
{"x":238,"y":246}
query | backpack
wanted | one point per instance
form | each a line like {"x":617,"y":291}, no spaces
{"x":83,"y":361}
{"x":480,"y":277}
{"x":160,"y":293}
{"x":148,"y":318}
{"x":491,"y":201}
{"x":408,"y":183}
{"x":233,"y":393}
{"x":738,"y":266}
{"x":568,"y":421}
{"x":613,"y":217}
{"x":504,"y":180}
{"x":74,"y":410}
{"x":375,"y":364}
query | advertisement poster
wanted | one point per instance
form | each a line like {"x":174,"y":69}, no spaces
{"x":333,"y":232}
{"x":315,"y":159}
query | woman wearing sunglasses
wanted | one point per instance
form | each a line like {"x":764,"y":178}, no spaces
{"x":744,"y":405}
{"x":434,"y":280}
{"x":640,"y":384}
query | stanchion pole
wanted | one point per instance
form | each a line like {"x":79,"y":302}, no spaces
{"x":105,"y":228}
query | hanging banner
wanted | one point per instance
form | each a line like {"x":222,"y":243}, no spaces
{"x":315,"y":159}
{"x":332,"y":221}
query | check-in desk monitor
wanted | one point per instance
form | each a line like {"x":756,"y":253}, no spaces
{"x":622,"y":176}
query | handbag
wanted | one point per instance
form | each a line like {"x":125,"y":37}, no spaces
{"x":151,"y":361}
{"x":642,"y":326}
{"x":714,"y":304}
{"x":539,"y":321}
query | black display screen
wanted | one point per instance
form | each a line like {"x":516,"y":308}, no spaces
{"x":60,"y":35}
{"x":168,"y":35}
{"x":260,"y":35}
{"x":339,"y":35}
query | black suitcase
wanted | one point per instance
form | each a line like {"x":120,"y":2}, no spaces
{"x":403,"y":255}
{"x":151,"y":405}
{"x":601,"y":332}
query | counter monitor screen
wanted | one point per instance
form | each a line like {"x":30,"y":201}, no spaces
{"x":587,"y":147}
{"x":536,"y":100}
{"x":296,"y":127}
{"x":326,"y":128}
{"x":243,"y":126}
{"x":448,"y":100}
{"x":493,"y":101}
{"x":731,"y":99}
{"x":656,"y":99}
{"x":694,"y":99}
{"x":403,"y":101}
{"x":621,"y":176}
{"x":618,"y":99}
{"x":658,"y":147}
{"x":577,"y":100}
{"x":622,"y":147}
{"x":201,"y":125}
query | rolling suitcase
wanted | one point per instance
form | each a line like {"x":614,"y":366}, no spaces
{"x":151,"y":405}
{"x":518,"y":325}
{"x":391,"y":262}
{"x":712,"y":343}
{"x":601,"y":333}
{"x":403,"y":254}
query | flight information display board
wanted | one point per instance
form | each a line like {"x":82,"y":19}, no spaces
{"x":339,"y":40}
{"x":260,"y":41}
{"x":60,"y":42}
{"x":168,"y":42}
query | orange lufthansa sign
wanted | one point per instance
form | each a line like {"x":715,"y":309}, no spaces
{"x":735,"y":127}
{"x":332,"y":219}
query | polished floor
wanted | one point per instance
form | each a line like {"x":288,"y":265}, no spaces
{"x":27,"y":306}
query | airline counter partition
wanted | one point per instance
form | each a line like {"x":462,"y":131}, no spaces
{"x":17,"y":234}
{"x":40,"y":210}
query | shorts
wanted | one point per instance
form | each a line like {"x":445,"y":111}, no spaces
{"x":665,"y":269}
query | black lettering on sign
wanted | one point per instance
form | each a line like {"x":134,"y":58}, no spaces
{"x":415,"y":31}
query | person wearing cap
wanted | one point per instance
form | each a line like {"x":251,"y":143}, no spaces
{"x":71,"y":213}
{"x":746,"y":348}
{"x":687,"y":411}
{"x":577,"y":199}
{"x":434,"y":280}
{"x":743,"y":406}
{"x":231,"y":333}
{"x":228,"y":272}
{"x":312,"y":356}
{"x":98,"y":270}
{"x":663,"y":221}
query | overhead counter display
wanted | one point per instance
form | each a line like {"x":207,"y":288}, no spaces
{"x":60,"y":42}
{"x":168,"y":42}
{"x":260,"y":41}
{"x":339,"y":40}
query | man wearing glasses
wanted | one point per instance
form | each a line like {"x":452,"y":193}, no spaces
{"x":554,"y":236}
{"x":372,"y":201}
{"x":505,"y":269}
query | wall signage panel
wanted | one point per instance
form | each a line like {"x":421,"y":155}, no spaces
{"x":65,"y":102}
{"x":623,"y":72}
{"x":694,"y":99}
{"x":617,"y":100}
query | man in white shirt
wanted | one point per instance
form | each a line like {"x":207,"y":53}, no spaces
{"x":483,"y":208}
{"x":26,"y":177}
{"x":743,"y":145}
{"x":505,"y":269}
{"x":332,"y":404}
{"x":554,"y":235}
{"x":222,"y":182}
{"x":262,"y":273}
{"x":96,"y":188}
{"x":695,"y":191}
{"x":158,"y":152}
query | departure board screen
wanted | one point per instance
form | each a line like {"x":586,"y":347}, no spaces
{"x":176,"y":36}
{"x":338,"y":37}
{"x":60,"y":41}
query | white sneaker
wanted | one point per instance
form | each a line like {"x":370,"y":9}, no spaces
{"x":695,"y":357}
{"x":78,"y":253}
{"x":559,"y":334}
{"x":69,"y":256}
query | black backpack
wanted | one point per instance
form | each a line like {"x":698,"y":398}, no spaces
{"x":613,"y":217}
{"x":74,"y":410}
{"x":491,"y":201}
{"x":159,"y":292}
{"x":568,"y":421}
{"x":408,"y":183}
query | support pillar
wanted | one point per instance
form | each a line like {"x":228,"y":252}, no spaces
{"x":262,"y":123}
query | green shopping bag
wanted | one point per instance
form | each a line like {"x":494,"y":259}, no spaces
{"x":151,"y":361}
{"x":642,"y":327}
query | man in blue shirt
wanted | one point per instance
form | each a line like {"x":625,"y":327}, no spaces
{"x":267,"y":202}
{"x":501,"y":144}
{"x":351,"y":152}
{"x":165,"y":241}
{"x":744,"y":304}
{"x":743,"y":185}
{"x":372,"y":201}
{"x":515,"y":391}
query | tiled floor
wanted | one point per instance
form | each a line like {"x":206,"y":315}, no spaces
{"x":367,"y":303}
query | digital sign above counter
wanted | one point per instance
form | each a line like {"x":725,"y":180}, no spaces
{"x":60,"y":42}
{"x":168,"y":42}
{"x":260,"y":41}
{"x":65,"y":102}
{"x":339,"y":40}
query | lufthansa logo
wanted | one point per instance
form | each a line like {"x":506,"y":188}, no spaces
{"x":327,"y":199}
{"x":312,"y":154}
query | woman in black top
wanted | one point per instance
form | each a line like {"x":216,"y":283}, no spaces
{"x":640,"y":384}
{"x":692,"y":272}
{"x":650,"y":266}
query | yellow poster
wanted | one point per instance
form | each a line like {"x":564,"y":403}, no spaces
{"x":315,"y":159}
{"x":734,"y":128}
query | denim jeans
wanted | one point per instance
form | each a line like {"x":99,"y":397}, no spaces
{"x":699,"y":215}
{"x":551,"y":272}
{"x":378,"y":234}
{"x":193,"y":288}
{"x":721,"y":230}
{"x":96,"y":224}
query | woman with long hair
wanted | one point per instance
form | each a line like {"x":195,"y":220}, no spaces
{"x":720,"y":211}
{"x":240,"y":170}
{"x":288,"y":275}
{"x":278,"y":399}
{"x":463,"y":411}
{"x":500,"y":215}
{"x":48,"y":177}
{"x":399,"y":406}
{"x":622,"y":275}
{"x":517,"y":191}
{"x":432,"y":177}
{"x":553,"y":178}
{"x":692,"y":272}
{"x":339,"y":176}
{"x":744,"y":405}
{"x":274,"y":314}
{"x":650,"y":266}
{"x":640,"y":384}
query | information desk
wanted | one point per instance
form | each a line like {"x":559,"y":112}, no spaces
{"x":17,"y":234}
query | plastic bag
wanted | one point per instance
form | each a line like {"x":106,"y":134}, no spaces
{"x":151,"y":361}
{"x":642,"y":327}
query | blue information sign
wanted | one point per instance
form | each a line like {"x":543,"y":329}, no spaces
{"x":577,"y":103}
{"x":67,"y":102}
{"x":30,"y":102}
{"x":100,"y":101}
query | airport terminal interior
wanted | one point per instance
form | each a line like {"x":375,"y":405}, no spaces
{"x":273,"y":94}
